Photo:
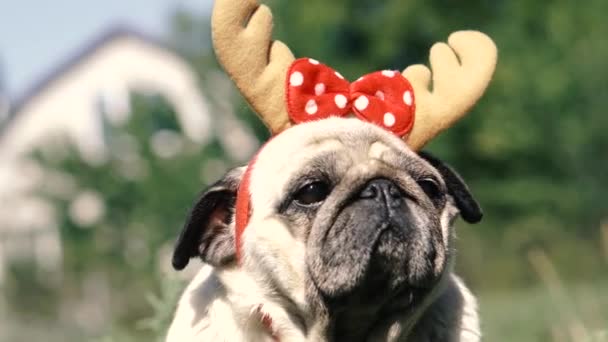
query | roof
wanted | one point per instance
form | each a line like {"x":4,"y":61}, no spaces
{"x":115,"y":33}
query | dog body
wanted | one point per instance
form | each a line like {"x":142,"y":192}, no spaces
{"x":212,"y":310}
{"x":349,"y":239}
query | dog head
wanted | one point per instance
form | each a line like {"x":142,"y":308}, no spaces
{"x":342,"y":213}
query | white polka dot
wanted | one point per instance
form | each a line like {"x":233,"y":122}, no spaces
{"x":380,"y":95}
{"x":359,"y":79}
{"x":388,"y":73}
{"x":319,"y":89}
{"x":313,"y":61}
{"x":296,"y":79}
{"x":361,"y":102}
{"x":407,"y":98}
{"x":339,"y":75}
{"x":389,"y":119}
{"x":340,"y":101}
{"x":311,"y":107}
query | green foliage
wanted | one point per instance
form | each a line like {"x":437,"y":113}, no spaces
{"x":534,"y":315}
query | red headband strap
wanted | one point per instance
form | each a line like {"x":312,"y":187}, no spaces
{"x":242,"y":208}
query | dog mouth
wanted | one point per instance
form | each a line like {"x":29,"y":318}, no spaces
{"x":382,"y":287}
{"x":406,"y":261}
{"x":340,"y":264}
{"x":369,"y":254}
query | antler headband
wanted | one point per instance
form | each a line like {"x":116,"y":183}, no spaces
{"x":259,"y":66}
{"x":284,"y":91}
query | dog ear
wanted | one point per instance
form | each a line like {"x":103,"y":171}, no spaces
{"x":207,"y":232}
{"x":468,"y":206}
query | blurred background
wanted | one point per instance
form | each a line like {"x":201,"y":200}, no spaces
{"x":114,"y":115}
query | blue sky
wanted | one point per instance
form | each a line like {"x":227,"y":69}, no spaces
{"x":36,"y":36}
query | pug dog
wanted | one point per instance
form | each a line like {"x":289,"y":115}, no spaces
{"x":349,"y":238}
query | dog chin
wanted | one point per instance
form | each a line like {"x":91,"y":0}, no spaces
{"x":402,"y":262}
{"x":388,"y":267}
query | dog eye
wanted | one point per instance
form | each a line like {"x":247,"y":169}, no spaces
{"x":430,"y":187}
{"x":312,"y":193}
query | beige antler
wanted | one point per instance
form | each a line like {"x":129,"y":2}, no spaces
{"x":461,"y":72}
{"x":242,"y":38}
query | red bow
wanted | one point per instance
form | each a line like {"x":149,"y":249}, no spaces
{"x":316,"y":91}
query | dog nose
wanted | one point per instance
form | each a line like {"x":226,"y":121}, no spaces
{"x":382,"y":189}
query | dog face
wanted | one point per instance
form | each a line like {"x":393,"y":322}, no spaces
{"x":343,"y":214}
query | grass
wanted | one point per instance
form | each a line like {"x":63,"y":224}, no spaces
{"x":553,"y":311}
{"x":535,"y":315}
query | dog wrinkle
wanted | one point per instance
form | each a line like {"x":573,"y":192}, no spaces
{"x":273,"y":238}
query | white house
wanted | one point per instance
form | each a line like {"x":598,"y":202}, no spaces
{"x":67,"y":103}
